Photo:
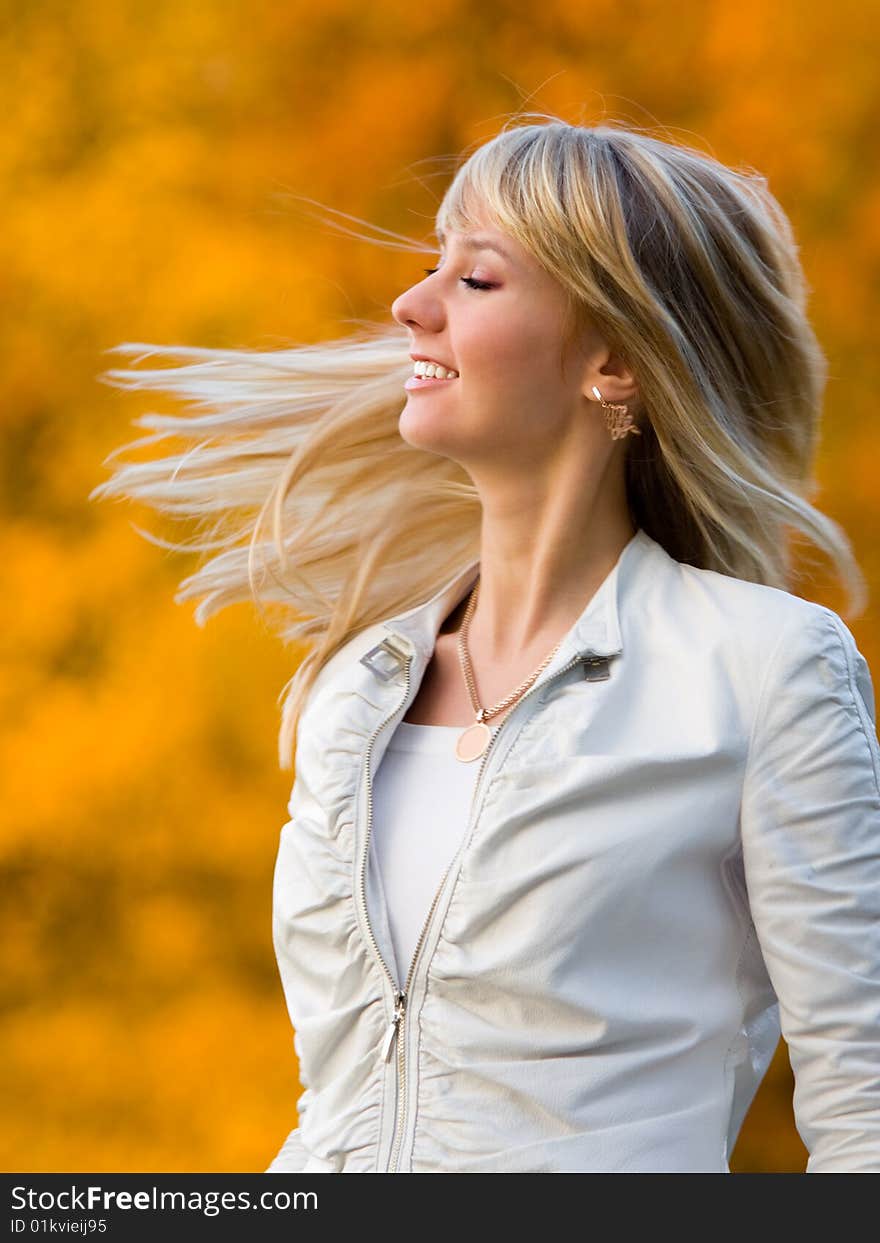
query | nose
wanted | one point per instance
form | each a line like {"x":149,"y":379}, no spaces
{"x":417,"y":307}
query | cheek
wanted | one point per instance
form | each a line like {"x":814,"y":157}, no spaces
{"x":513,"y":352}
{"x":522,"y":376}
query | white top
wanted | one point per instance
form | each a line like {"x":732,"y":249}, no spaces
{"x":421,"y":801}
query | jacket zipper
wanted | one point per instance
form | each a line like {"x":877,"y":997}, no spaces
{"x":396,"y":1027}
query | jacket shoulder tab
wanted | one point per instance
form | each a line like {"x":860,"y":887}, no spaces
{"x":345,"y":656}
{"x":387,"y":658}
{"x":597,"y":668}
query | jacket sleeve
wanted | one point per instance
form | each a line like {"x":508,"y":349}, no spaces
{"x":810,"y":823}
{"x":291,"y":1158}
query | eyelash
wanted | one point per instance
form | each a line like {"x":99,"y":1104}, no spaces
{"x":470,"y":281}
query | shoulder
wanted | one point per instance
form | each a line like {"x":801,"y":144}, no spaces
{"x":721,"y":608}
{"x":737,"y":602}
{"x":343,"y":658}
{"x":758,"y":634}
{"x":782,"y":637}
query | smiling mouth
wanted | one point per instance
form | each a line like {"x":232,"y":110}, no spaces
{"x":416,"y":382}
{"x":424,"y":368}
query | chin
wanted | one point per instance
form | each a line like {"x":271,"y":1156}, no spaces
{"x":428,"y":432}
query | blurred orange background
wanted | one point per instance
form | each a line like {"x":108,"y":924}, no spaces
{"x":146,"y":152}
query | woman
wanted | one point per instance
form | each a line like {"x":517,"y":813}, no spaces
{"x":586,"y":804}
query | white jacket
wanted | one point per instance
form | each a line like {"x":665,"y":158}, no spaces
{"x":674,"y":845}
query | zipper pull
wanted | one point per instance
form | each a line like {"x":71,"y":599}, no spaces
{"x":393,"y":1026}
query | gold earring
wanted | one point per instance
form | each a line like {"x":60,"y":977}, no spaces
{"x":618,"y":420}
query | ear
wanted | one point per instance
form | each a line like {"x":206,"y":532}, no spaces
{"x":612,"y":376}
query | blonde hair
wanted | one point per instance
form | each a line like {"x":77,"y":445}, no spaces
{"x":309,"y":500}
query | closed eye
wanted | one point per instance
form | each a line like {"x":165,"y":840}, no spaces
{"x":470,"y":281}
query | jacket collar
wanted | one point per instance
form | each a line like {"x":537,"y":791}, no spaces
{"x":597,"y":631}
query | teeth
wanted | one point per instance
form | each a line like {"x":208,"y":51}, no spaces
{"x":428,"y":370}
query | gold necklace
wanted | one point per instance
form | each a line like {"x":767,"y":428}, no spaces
{"x":475,"y":739}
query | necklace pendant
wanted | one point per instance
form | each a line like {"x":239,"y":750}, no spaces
{"x":473,"y":742}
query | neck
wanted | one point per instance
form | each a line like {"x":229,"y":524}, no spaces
{"x":549,"y":536}
{"x":536,"y":579}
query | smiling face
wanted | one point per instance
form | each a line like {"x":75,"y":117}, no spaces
{"x":498,"y":319}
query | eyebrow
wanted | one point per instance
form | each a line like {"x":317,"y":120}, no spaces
{"x":478,"y":241}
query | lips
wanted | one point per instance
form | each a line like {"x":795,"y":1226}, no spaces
{"x":426,"y":358}
{"x":416,"y":382}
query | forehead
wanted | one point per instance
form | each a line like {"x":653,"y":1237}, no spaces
{"x":479,"y":241}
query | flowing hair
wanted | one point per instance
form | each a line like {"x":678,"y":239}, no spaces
{"x":310,"y":503}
